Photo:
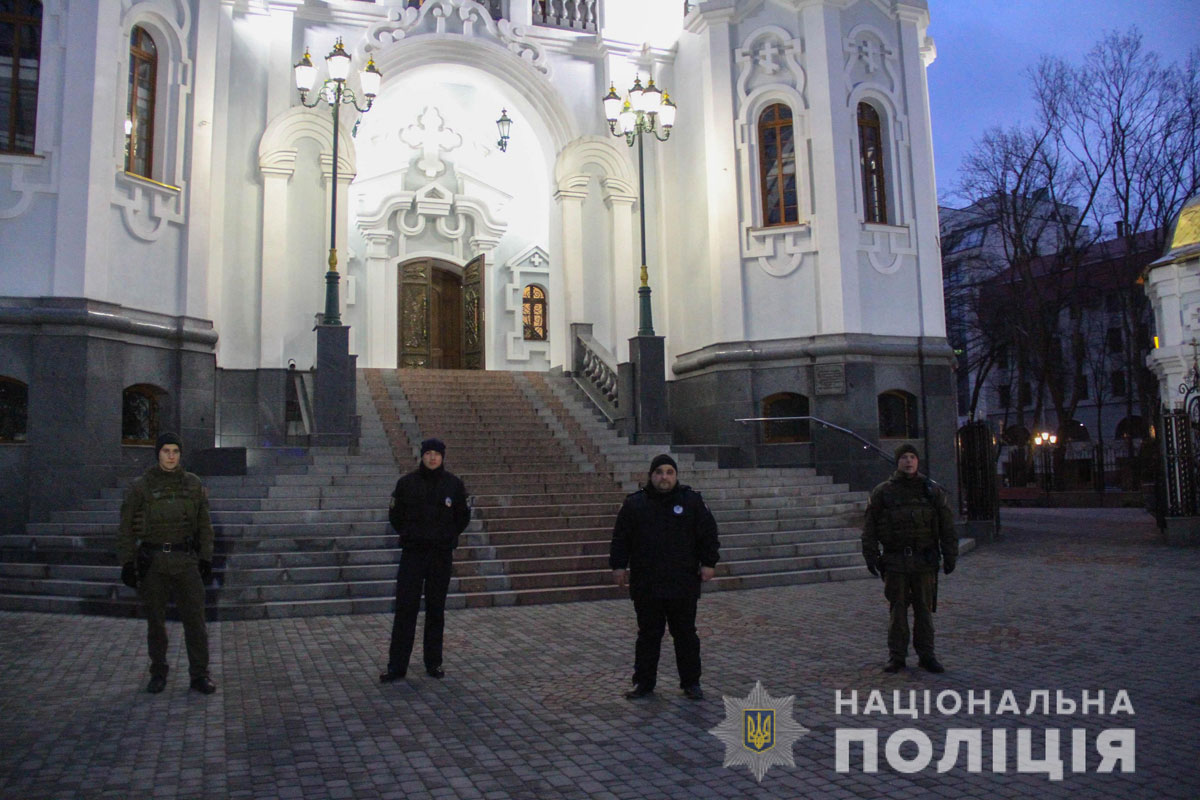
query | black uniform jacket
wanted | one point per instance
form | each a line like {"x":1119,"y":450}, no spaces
{"x":429,"y":509}
{"x":663,"y":539}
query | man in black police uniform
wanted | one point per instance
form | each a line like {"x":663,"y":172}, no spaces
{"x":165,"y":547}
{"x":429,"y":510}
{"x":667,"y":538}
{"x":909,"y":517}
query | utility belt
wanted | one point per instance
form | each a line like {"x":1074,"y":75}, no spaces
{"x":929,"y":554}
{"x":147,"y":550}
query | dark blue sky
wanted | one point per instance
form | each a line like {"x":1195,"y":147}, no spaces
{"x":985,"y":48}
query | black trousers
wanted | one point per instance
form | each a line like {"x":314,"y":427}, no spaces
{"x":654,"y":615}
{"x":421,"y":571}
{"x":176,"y":574}
{"x":902,"y":590}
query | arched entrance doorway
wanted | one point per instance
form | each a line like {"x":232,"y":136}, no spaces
{"x":441,"y":314}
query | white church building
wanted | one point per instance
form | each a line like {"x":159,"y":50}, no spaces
{"x":165,"y":218}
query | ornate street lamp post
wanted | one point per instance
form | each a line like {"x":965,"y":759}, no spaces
{"x":336,"y":93}
{"x":645,"y":110}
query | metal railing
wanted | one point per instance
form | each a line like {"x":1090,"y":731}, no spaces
{"x":867,"y":444}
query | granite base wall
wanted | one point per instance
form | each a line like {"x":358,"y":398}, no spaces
{"x":842,"y":377}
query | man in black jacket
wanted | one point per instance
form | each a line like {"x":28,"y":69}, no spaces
{"x":429,"y":510}
{"x":667,"y":538}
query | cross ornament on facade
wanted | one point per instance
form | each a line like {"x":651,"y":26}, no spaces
{"x":871,"y":52}
{"x":766,"y":58}
{"x":431,"y":135}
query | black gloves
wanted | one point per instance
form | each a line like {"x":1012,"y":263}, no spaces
{"x":129,"y":575}
{"x":206,"y":571}
{"x":871,"y":568}
{"x":949,"y":565}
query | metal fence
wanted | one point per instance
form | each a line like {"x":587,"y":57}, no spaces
{"x":1124,"y":465}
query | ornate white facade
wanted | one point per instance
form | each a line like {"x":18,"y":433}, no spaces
{"x":227,"y":237}
{"x":233,"y":226}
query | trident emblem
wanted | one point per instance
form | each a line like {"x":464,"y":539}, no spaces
{"x":760,"y":729}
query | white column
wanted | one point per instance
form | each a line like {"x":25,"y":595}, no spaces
{"x":726,"y":290}
{"x":381,"y":332}
{"x":273,"y":312}
{"x":570,"y":202}
{"x":627,"y":274}
{"x":923,"y":189}
{"x":202,"y":264}
{"x":835,"y":220}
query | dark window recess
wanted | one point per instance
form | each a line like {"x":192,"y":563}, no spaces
{"x":1004,"y":396}
{"x":1026,"y":395}
{"x":786,"y":404}
{"x":897,"y":415}
{"x":140,"y":414}
{"x":1118,"y":384}
{"x":14,"y":409}
{"x":1112,"y":341}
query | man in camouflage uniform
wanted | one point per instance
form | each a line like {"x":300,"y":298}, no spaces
{"x":908,"y":533}
{"x":165,"y":547}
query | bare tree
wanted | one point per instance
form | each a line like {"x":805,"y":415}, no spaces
{"x":1114,"y":146}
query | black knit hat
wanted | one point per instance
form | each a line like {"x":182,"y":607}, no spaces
{"x":436,"y":445}
{"x":660,"y":460}
{"x":167,"y":438}
{"x":907,"y":448}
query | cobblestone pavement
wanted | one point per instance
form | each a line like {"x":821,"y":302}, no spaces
{"x":531,"y":705}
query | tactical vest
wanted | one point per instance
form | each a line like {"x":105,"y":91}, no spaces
{"x":907,"y":517}
{"x":172,"y":510}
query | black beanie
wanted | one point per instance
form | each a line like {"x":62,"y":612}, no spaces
{"x":165,"y":439}
{"x":433,"y":444}
{"x":660,"y":460}
{"x":907,"y":448}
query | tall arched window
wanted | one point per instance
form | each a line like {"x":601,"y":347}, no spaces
{"x":140,"y":408}
{"x":786,"y":404}
{"x":14,"y":409}
{"x":533,"y":313}
{"x":870,"y":153}
{"x":20,"y":57}
{"x":777,"y":165}
{"x":897,"y":415}
{"x":139,"y":114}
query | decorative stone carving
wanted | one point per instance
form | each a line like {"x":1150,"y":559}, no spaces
{"x":465,"y":18}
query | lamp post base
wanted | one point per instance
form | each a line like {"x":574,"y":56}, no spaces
{"x":332,"y":315}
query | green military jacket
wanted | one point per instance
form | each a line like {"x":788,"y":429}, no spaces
{"x":909,"y":524}
{"x":165,"y":508}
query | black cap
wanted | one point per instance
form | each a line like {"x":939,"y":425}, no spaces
{"x":659,"y":460}
{"x":907,"y":448}
{"x":167,"y":438}
{"x":433,"y":444}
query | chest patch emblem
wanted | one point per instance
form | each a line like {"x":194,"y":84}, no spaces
{"x":678,"y":510}
{"x":449,"y":502}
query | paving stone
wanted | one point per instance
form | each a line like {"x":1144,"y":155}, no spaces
{"x":531,"y":706}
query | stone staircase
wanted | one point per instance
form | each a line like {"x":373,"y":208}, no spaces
{"x":305,"y":531}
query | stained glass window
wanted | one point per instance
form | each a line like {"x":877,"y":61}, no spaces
{"x":20,"y":61}
{"x":870,"y":152}
{"x":139,"y":414}
{"x":533,"y":313}
{"x":777,"y":165}
{"x":139,"y":113}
